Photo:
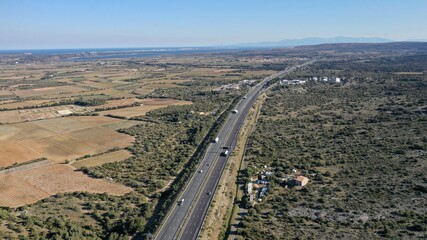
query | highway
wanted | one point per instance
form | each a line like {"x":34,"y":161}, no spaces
{"x":185,"y":220}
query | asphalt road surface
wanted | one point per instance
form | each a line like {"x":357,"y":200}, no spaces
{"x":185,"y":219}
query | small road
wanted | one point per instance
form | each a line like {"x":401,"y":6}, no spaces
{"x":185,"y":220}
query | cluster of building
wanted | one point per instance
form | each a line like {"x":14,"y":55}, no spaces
{"x":274,"y":59}
{"x":327,"y":79}
{"x":259,"y":187}
{"x":237,"y":86}
{"x":292,"y":82}
{"x":234,"y":86}
{"x":315,"y":79}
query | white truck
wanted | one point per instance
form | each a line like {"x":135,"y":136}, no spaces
{"x":216,"y":139}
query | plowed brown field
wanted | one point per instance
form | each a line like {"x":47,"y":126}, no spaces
{"x":58,"y":139}
{"x":29,"y":186}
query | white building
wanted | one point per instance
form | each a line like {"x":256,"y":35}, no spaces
{"x":292,"y":82}
{"x":249,"y":188}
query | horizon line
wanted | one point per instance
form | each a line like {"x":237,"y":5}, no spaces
{"x":220,"y":46}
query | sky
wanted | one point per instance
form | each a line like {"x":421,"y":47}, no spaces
{"x":50,"y":24}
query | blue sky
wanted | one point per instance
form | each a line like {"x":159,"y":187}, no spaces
{"x":140,"y":23}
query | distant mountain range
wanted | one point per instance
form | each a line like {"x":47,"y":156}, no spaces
{"x":313,"y":41}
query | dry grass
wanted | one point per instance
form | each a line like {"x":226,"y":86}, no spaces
{"x":5,"y":93}
{"x":29,"y":103}
{"x":46,"y":91}
{"x":117,"y":103}
{"x":147,"y":105}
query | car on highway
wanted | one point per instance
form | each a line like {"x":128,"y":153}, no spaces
{"x":181,"y":202}
{"x":209,"y":193}
{"x":224,"y":153}
{"x":200,"y":171}
{"x":235,"y":111}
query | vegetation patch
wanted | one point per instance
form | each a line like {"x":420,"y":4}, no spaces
{"x":363,"y":146}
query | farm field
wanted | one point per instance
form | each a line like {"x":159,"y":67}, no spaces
{"x":116,"y":103}
{"x":109,"y":92}
{"x":47,"y":91}
{"x":5,"y":93}
{"x":120,"y":102}
{"x":12,"y":153}
{"x":9,"y":117}
{"x":162,"y":84}
{"x":24,"y":115}
{"x":103,"y":158}
{"x":99,"y":84}
{"x":58,"y":139}
{"x":29,"y":186}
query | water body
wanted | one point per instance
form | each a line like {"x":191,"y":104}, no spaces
{"x":88,"y":54}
